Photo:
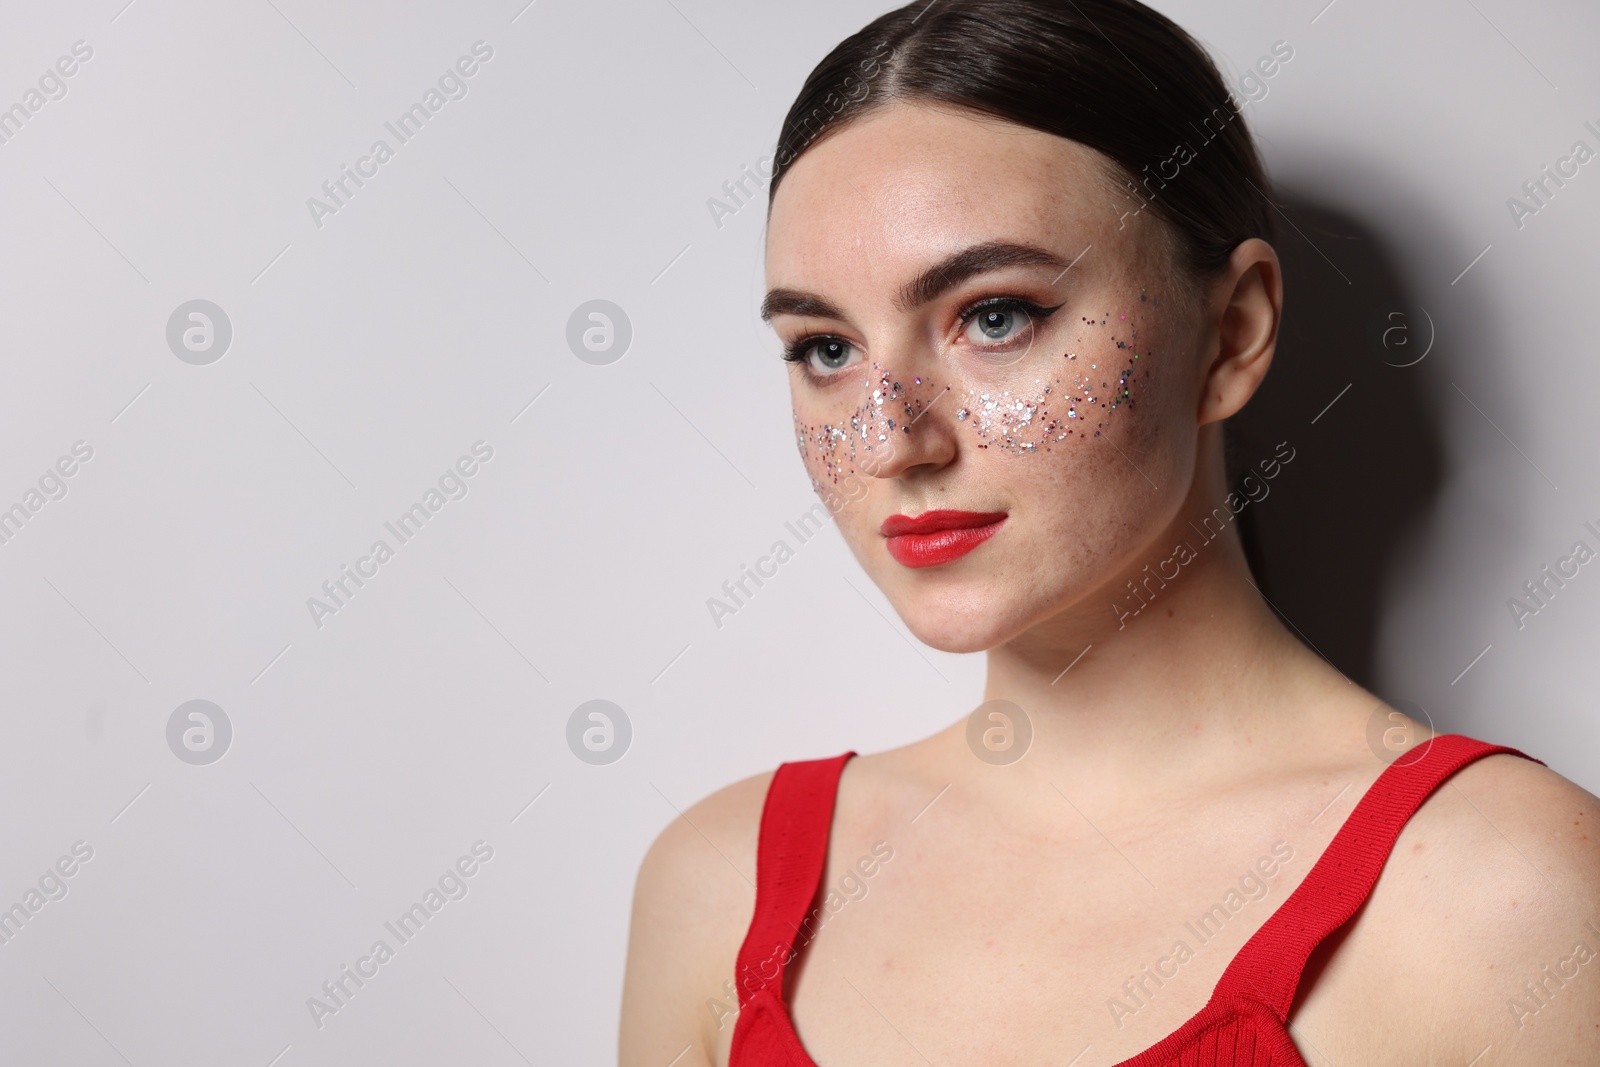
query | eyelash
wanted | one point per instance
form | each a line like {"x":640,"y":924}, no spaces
{"x":799,"y":350}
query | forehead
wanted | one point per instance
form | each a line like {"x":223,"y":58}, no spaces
{"x":908,"y":182}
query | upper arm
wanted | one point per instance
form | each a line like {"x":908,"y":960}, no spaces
{"x":1546,"y":1001}
{"x":1492,"y":880}
{"x":692,"y":901}
{"x":1510,"y":949}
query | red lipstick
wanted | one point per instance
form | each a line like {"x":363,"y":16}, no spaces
{"x":936,"y":537}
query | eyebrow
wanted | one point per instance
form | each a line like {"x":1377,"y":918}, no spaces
{"x":929,"y":285}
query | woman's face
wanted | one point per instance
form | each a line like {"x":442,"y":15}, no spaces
{"x":981,"y":324}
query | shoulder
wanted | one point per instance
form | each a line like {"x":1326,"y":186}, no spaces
{"x":717,"y":833}
{"x":1513,"y":827}
{"x":1488,"y":915}
{"x":692,"y":900}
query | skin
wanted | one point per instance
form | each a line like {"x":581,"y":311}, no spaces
{"x":1188,"y":741}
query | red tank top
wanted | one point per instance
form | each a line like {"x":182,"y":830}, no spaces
{"x":1244,"y":1024}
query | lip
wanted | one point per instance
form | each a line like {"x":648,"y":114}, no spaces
{"x":937,"y":537}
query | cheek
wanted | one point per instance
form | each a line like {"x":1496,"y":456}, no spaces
{"x":1062,"y":398}
{"x":844,"y":433}
{"x":1091,"y":435}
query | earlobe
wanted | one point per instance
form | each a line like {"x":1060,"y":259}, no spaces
{"x":1246,"y":330}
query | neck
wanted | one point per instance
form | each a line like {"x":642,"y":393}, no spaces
{"x":1164,"y":670}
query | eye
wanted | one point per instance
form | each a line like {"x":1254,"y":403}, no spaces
{"x":997,"y":324}
{"x":822,"y":355}
{"x":1003,"y":322}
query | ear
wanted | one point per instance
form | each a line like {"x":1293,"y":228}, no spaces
{"x":1247,"y":304}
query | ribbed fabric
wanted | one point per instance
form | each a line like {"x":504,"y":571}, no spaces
{"x":791,"y":853}
{"x":1244,"y":1024}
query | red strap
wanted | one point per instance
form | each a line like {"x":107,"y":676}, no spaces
{"x":790,"y":856}
{"x":1268,"y":968}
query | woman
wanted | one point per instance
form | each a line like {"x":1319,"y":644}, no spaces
{"x":1018,"y":260}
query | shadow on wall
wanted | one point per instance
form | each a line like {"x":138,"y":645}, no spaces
{"x":1347,"y":393}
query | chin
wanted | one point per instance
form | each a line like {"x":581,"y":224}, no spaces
{"x":955,"y":624}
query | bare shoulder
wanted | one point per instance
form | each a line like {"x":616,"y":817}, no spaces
{"x":692,"y":901}
{"x":714,"y":839}
{"x":1551,"y":819}
{"x":1484,"y":928}
{"x":1521,"y":846}
{"x":1521,"y":837}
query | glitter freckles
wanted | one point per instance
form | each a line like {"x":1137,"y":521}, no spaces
{"x":1076,"y":401}
{"x":1056,"y":409}
{"x":864,"y":438}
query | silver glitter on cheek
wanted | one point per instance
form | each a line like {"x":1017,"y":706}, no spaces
{"x":838,"y":449}
{"x":1033,"y":420}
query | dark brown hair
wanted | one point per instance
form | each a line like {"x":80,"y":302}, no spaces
{"x":1113,"y":75}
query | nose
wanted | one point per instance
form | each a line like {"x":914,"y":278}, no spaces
{"x":914,"y":426}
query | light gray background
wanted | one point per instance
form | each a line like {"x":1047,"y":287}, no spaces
{"x":370,"y":353}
